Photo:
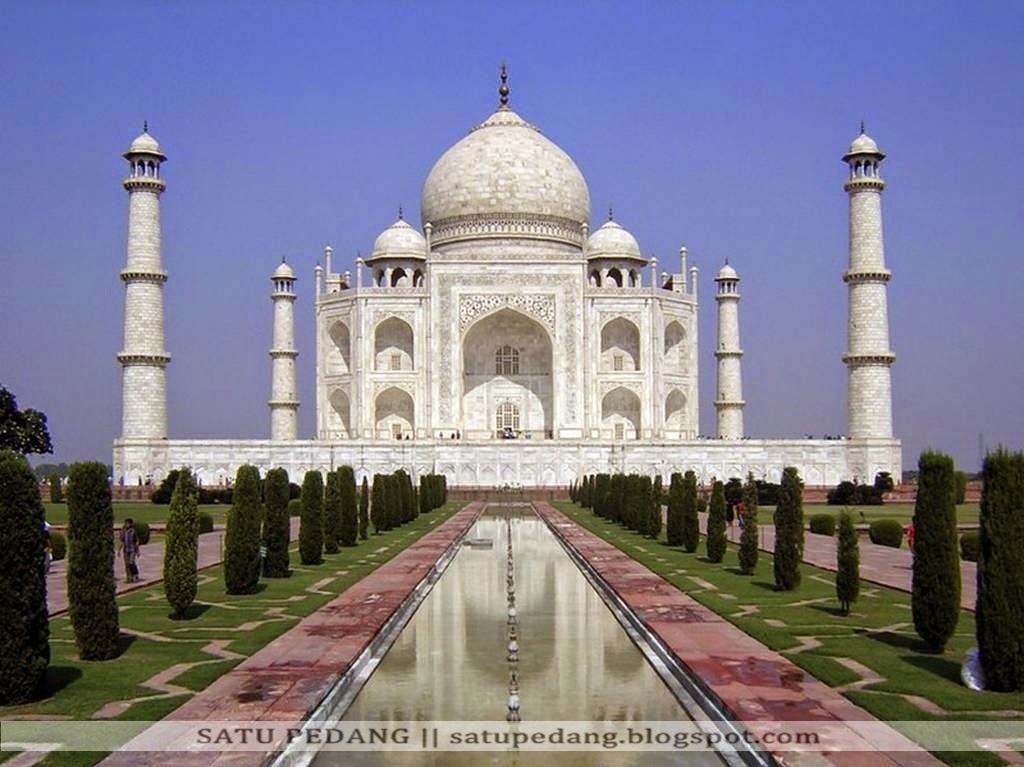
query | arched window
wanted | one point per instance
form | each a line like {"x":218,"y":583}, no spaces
{"x":506,"y":361}
{"x":506,"y":419}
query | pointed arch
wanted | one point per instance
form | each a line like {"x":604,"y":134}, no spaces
{"x":620,"y":414}
{"x":393,"y":345}
{"x":620,"y":346}
{"x":339,"y":350}
{"x":676,"y":421}
{"x":340,"y":415}
{"x":394,"y":414}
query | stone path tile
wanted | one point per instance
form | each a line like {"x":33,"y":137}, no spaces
{"x":753,"y":682}
{"x":878,"y":564}
{"x":287,"y":679}
{"x":151,"y":567}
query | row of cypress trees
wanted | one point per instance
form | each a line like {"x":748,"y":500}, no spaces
{"x":632,"y":500}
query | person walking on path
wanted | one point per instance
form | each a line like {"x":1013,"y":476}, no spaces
{"x":129,"y":546}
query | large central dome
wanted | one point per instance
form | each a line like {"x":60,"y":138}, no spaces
{"x":505,"y":179}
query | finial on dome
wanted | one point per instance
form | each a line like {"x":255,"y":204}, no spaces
{"x":503,"y":90}
{"x":145,"y":126}
{"x":283,"y":260}
{"x":401,"y":214}
{"x":726,"y":260}
{"x":611,"y":217}
{"x":862,"y":131}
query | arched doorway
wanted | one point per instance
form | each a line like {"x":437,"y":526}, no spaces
{"x":394,"y":414}
{"x":620,"y":346}
{"x":393,"y":345}
{"x":675,"y":414}
{"x":507,"y":360}
{"x":339,"y":416}
{"x":620,"y":414}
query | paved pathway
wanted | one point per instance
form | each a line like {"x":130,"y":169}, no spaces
{"x":755,"y":684}
{"x":151,"y":566}
{"x":286,"y":680}
{"x":878,"y":564}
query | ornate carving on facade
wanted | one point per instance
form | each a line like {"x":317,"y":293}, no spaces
{"x":406,"y":386}
{"x":634,"y":386}
{"x":514,"y":225}
{"x":605,"y":317}
{"x":539,"y":307}
{"x":386,"y":314}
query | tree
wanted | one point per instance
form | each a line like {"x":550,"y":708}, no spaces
{"x":1000,"y":607}
{"x":25,"y":638}
{"x":935,"y":587}
{"x":91,"y":593}
{"x":23,"y":431}
{"x":332,"y":512}
{"x":378,"y":502}
{"x":674,"y":522}
{"x":348,"y":532}
{"x":716,"y":523}
{"x":364,"y":509}
{"x":276,"y":524}
{"x":242,"y":537}
{"x":691,"y":522}
{"x":56,"y":491}
{"x":789,"y":531}
{"x":748,"y":552}
{"x":181,"y":545}
{"x":654,"y":509}
{"x":311,"y":523}
{"x":847,"y":563}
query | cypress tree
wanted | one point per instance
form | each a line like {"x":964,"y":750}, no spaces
{"x":691,"y":522}
{"x":377,"y":510}
{"x":674,"y":522}
{"x":181,"y":544}
{"x":424,"y":495}
{"x":716,"y":523}
{"x":1000,"y":607}
{"x":654,"y":509}
{"x":364,"y":510}
{"x":242,"y":537}
{"x":935,"y":590}
{"x":618,"y":498}
{"x":332,"y":512}
{"x":25,"y":638}
{"x":91,"y":592}
{"x":748,"y":552}
{"x":56,"y":491}
{"x":349,"y":530}
{"x":311,"y":523}
{"x":789,"y":531}
{"x":585,"y":495}
{"x":276,"y":524}
{"x":847,"y":563}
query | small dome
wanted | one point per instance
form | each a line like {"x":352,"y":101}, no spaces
{"x":284,"y":271}
{"x":145,"y":144}
{"x":727,"y":273}
{"x":399,"y":241}
{"x":611,"y":240}
{"x":863,"y":144}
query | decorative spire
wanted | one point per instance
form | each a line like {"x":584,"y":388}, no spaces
{"x":283,"y":260}
{"x":726,"y":260}
{"x":862,"y":131}
{"x":503,"y":90}
{"x":145,"y":126}
{"x":611,"y":217}
{"x":401,"y":215}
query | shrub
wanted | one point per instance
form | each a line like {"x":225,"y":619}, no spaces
{"x":748,"y":552}
{"x":716,"y":540}
{"x":25,"y":639}
{"x":364,"y":510}
{"x":674,"y":521}
{"x":822,"y":524}
{"x":961,"y":486}
{"x":886,"y":532}
{"x":767,"y":493}
{"x":883,"y":482}
{"x":242,"y":537}
{"x":733,"y":492}
{"x":295,"y":507}
{"x":1000,"y":607}
{"x":691,"y":521}
{"x":277,"y":524}
{"x":205,"y":522}
{"x":142,"y":531}
{"x":702,"y":505}
{"x":348,"y":532}
{"x":789,"y":531}
{"x":377,"y":503}
{"x":847,"y":563}
{"x":91,"y":592}
{"x":181,"y":545}
{"x":617,"y":500}
{"x":935,"y":588}
{"x":56,"y":491}
{"x":851,"y":493}
{"x":162,"y":495}
{"x":969,"y":545}
{"x":311,"y":526}
{"x":332,"y":512}
{"x":294,"y":492}
{"x":58,"y":546}
{"x":209,"y":495}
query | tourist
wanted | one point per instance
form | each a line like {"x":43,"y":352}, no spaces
{"x":910,"y":536}
{"x":129,"y":546}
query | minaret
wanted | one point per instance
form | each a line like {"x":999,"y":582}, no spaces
{"x":284,"y":401}
{"x":868,"y":355}
{"x":144,"y":358}
{"x":729,"y":402}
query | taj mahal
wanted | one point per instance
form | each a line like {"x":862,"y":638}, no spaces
{"x":507,"y":339}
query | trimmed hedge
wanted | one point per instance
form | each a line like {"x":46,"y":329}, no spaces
{"x":348,"y":530}
{"x":25,"y":639}
{"x":181,"y":545}
{"x":295,"y":507}
{"x":674,"y":522}
{"x":886,"y":532}
{"x":311,"y":525}
{"x":690,"y":510}
{"x":748,"y":551}
{"x":789,"y":531}
{"x":142,"y":531}
{"x":276,"y":524}
{"x":822,"y":524}
{"x":242,"y":538}
{"x":205,"y":522}
{"x":847,"y":563}
{"x":58,"y":546}
{"x":332,"y":513}
{"x":364,"y":510}
{"x":716,"y":540}
{"x":970,"y":543}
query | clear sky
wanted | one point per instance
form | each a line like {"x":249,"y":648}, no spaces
{"x":719,"y":125}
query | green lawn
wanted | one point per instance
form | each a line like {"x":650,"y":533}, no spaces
{"x":879,"y":632}
{"x":57,"y":513}
{"x":966,"y":513}
{"x":81,"y":688}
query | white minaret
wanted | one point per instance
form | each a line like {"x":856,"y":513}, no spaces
{"x":144,"y":358}
{"x":729,"y":402}
{"x":868,"y":355}
{"x":284,"y":400}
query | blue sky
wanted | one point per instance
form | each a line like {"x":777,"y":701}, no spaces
{"x":718,"y":125}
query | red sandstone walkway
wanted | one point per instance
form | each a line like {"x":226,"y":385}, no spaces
{"x":878,"y":564}
{"x":287,"y":679}
{"x":151,"y":567}
{"x":754,"y":683}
